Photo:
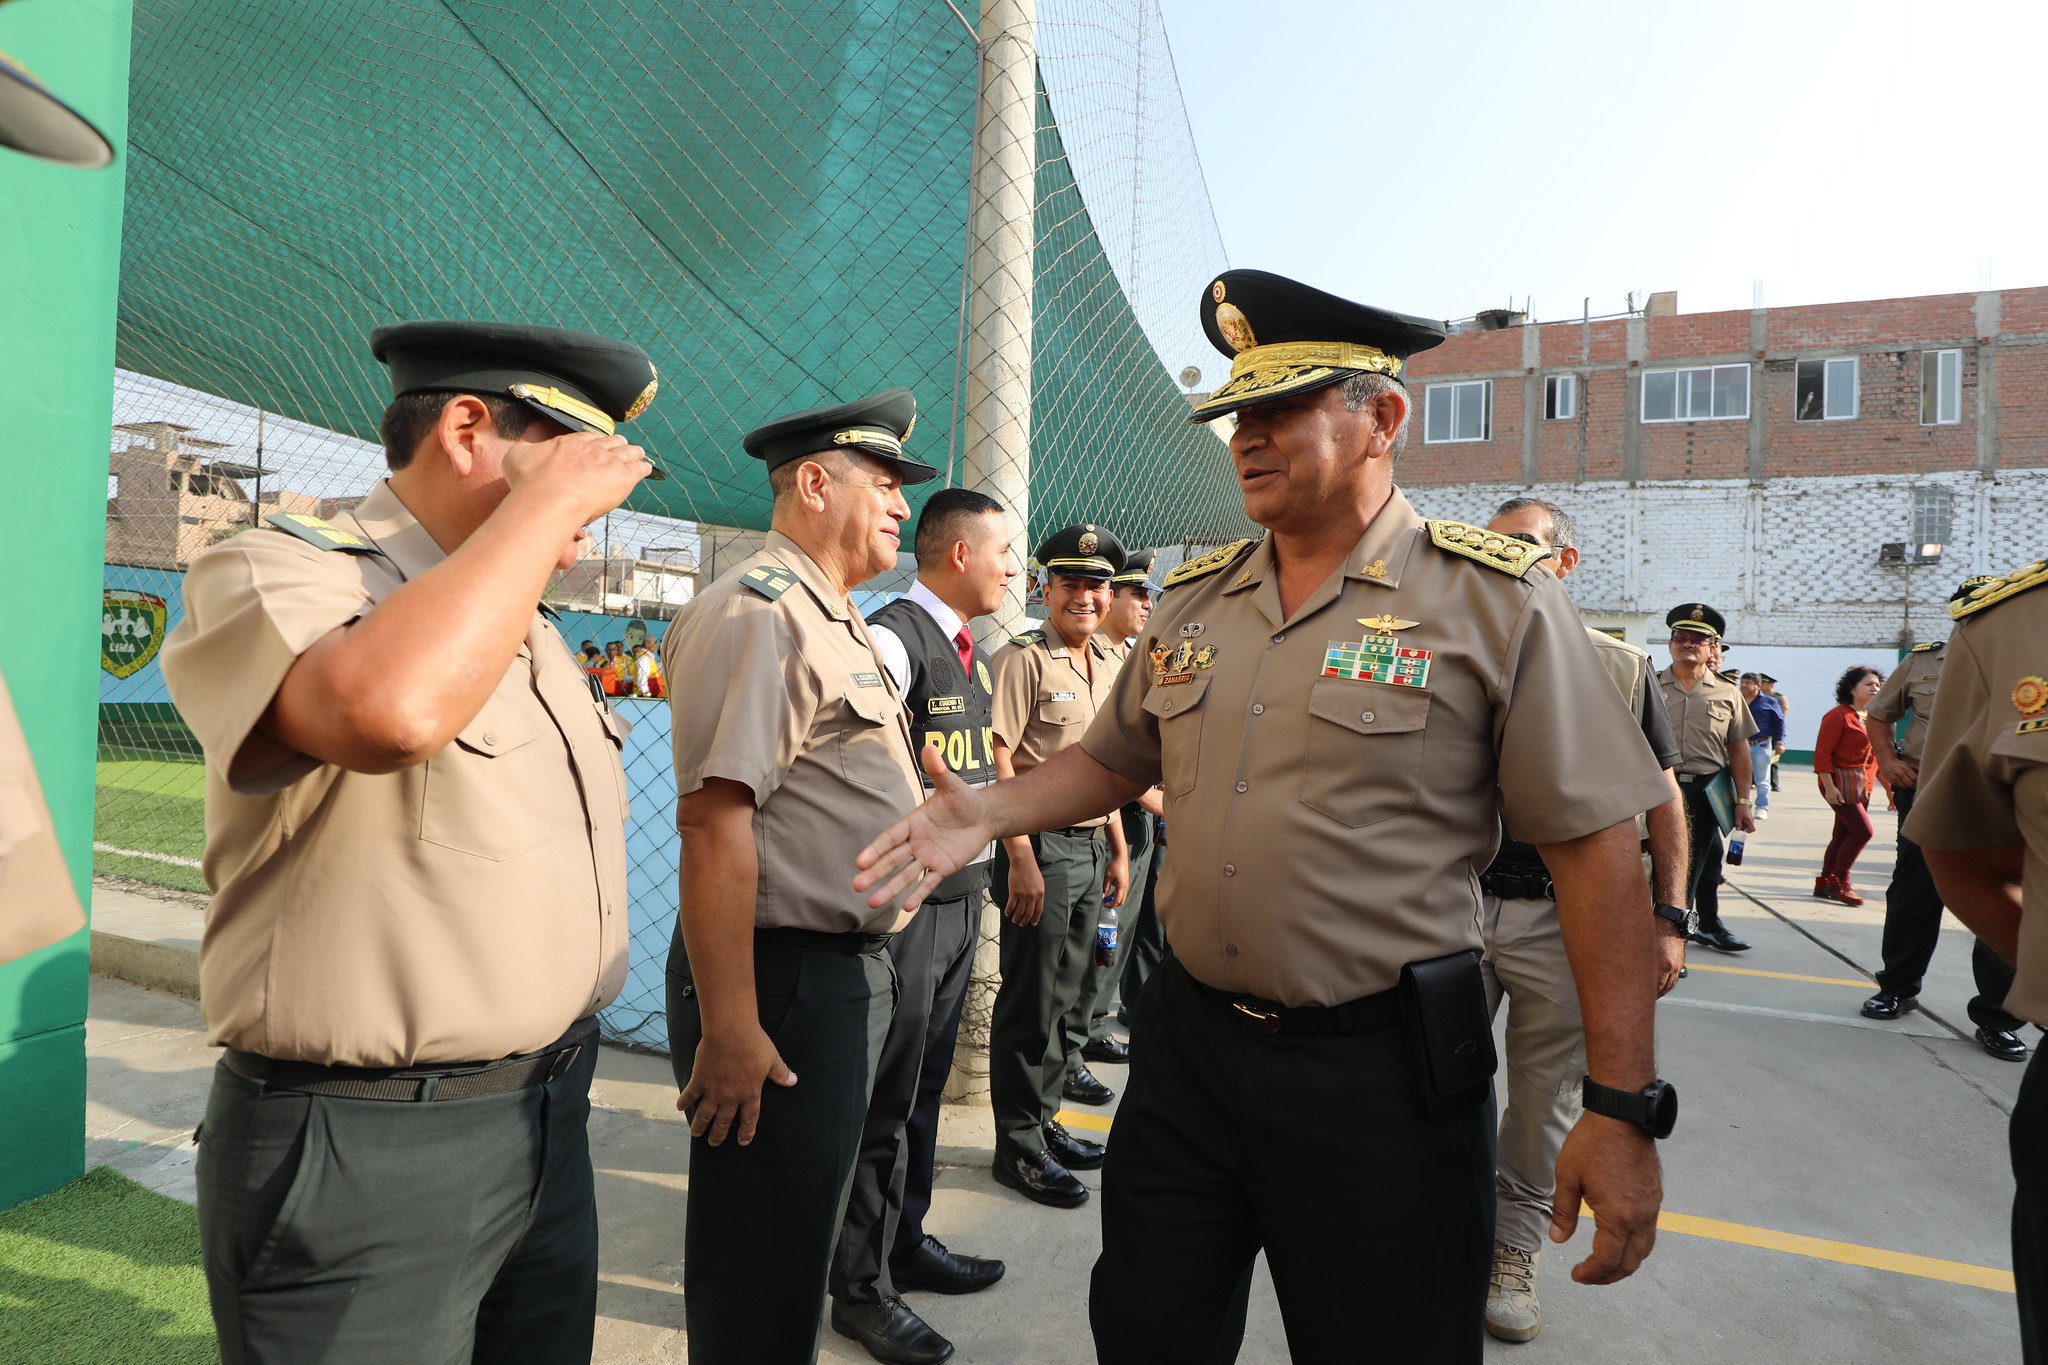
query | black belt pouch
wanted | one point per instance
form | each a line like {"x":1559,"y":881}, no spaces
{"x":1449,"y":1036}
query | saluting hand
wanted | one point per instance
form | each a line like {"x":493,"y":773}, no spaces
{"x":591,"y":472}
{"x":725,"y":1084}
{"x":931,"y":843}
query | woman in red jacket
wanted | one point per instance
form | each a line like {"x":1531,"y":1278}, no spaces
{"x":1847,"y":769}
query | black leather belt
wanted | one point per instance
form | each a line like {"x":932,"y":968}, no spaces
{"x":1382,"y":1010}
{"x":1693,"y":779}
{"x":1082,"y":831}
{"x":416,"y":1084}
{"x":1517,"y":883}
{"x":851,"y":945}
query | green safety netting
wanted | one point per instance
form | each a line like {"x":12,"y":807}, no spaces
{"x":770,"y":197}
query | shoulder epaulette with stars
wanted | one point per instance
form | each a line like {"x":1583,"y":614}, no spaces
{"x":1510,"y":556}
{"x":770,"y":580}
{"x":1203,"y":565}
{"x":319,"y":534}
{"x":1029,"y":637}
{"x":1931,"y":644}
{"x":1998,"y":589}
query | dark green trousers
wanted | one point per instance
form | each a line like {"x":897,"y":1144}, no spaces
{"x":764,"y":1219}
{"x":1144,"y":944}
{"x":1039,"y":1002}
{"x":1099,"y":983}
{"x":1376,"y":1220}
{"x":379,"y":1232}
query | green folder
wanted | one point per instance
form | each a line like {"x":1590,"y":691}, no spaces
{"x":1721,"y":796}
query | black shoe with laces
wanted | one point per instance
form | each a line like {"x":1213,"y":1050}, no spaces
{"x":1889,"y":1005}
{"x":929,"y":1265}
{"x":1083,"y":1088}
{"x":891,"y":1332}
{"x":2003,"y":1044}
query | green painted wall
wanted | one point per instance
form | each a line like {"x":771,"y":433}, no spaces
{"x":60,"y":239}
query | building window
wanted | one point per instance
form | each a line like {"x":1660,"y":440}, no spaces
{"x":1561,"y":396}
{"x":1933,"y":515}
{"x":1718,"y":391}
{"x":1826,"y":390}
{"x":1457,"y":412}
{"x":1941,"y":387}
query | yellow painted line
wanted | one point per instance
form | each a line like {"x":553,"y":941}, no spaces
{"x":1785,"y":976}
{"x":1094,"y":1123}
{"x":1847,"y":1253}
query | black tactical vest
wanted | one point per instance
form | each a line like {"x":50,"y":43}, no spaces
{"x":951,"y":710}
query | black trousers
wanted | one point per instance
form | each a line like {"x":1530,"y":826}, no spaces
{"x":1703,"y":874}
{"x":1043,"y":965}
{"x":1099,"y":983}
{"x":1912,"y":930}
{"x":2029,"y":1134}
{"x":764,"y":1219}
{"x":1144,"y":946}
{"x":1376,"y":1220}
{"x":892,"y":1178}
{"x":382,"y":1232}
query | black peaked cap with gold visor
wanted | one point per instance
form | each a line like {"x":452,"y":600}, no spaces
{"x":1697,"y":617}
{"x":875,"y":426}
{"x":584,"y":381}
{"x":1081,"y":552}
{"x":1137,"y":571}
{"x":1284,"y":337}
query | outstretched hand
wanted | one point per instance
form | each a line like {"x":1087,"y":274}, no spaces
{"x":932,"y":842}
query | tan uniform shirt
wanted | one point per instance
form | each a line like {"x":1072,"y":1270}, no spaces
{"x":1910,"y":688}
{"x":1329,"y":829}
{"x":469,"y":907}
{"x":1705,"y":720}
{"x":1984,"y":774}
{"x":38,"y":903}
{"x":779,"y":687}
{"x":1045,"y":700}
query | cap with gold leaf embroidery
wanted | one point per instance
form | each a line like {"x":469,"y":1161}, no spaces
{"x":1284,"y":337}
{"x":875,"y":426}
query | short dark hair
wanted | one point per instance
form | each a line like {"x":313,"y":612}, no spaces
{"x":412,"y":415}
{"x":1845,"y":686}
{"x":940,"y":524}
{"x":1563,"y":531}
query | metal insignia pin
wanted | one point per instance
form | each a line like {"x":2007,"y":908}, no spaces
{"x":1386,"y":624}
{"x":1190,"y":629}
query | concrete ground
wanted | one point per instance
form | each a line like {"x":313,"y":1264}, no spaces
{"x":1837,"y":1189}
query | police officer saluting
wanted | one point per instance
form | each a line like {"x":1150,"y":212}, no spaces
{"x":1312,"y":1066}
{"x":416,"y":842}
{"x":1714,"y":727}
{"x":964,"y":567}
{"x":790,"y":744}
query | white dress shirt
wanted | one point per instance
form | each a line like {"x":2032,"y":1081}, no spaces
{"x":895,"y":657}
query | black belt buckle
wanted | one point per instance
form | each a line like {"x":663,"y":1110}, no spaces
{"x":1268,"y":1020}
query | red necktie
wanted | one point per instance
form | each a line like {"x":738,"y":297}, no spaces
{"x":964,"y":642}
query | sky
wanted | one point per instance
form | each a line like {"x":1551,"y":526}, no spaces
{"x":1451,"y":155}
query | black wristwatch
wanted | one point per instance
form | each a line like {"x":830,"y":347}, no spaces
{"x":1654,"y":1108}
{"x":1688,"y":921}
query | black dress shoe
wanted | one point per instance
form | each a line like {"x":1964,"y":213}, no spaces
{"x":1041,"y":1179}
{"x":1074,"y":1153}
{"x":891,"y":1332}
{"x":1889,"y":1005}
{"x":1717,"y":937}
{"x":1110,"y":1050}
{"x":1083,"y":1088}
{"x":2003,"y":1044}
{"x":928,"y":1265}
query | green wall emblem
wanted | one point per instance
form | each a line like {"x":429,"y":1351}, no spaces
{"x":131,"y":631}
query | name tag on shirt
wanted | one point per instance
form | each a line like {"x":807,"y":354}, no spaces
{"x":947,"y":706}
{"x":867,"y":680}
{"x":1064,"y":696}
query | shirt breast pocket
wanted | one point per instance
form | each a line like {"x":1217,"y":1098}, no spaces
{"x":1178,"y":710}
{"x":477,"y":792}
{"x":1364,"y":758}
{"x":865,"y":741}
{"x":1062,"y":712}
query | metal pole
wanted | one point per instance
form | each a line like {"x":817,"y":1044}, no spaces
{"x":996,"y":456}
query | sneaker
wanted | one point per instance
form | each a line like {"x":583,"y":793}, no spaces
{"x":1512,"y":1313}
{"x":1762,"y":812}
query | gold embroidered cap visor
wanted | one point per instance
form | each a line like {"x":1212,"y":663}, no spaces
{"x":1285,"y":337}
{"x":877,"y":426}
{"x":1084,"y":551}
{"x":584,"y":381}
{"x":34,"y":121}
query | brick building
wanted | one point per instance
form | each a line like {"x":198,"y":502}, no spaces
{"x":169,"y":498}
{"x":1759,"y":461}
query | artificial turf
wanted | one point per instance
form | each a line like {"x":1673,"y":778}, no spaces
{"x":103,"y":1272}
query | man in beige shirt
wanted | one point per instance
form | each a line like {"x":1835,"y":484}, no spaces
{"x":1981,"y":815}
{"x":1050,"y":882}
{"x":1714,"y":727}
{"x":791,"y":747}
{"x":415,"y":837}
{"x":1340,"y":714}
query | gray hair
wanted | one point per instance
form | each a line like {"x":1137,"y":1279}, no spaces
{"x":1563,"y":532}
{"x":1366,"y":386}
